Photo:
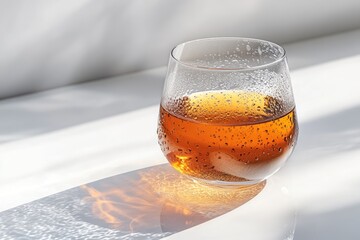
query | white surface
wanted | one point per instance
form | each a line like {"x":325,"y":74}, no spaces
{"x":323,"y":173}
{"x":49,"y":43}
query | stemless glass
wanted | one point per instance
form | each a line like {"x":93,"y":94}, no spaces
{"x":227,"y":114}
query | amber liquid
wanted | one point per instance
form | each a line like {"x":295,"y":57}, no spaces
{"x":227,"y":136}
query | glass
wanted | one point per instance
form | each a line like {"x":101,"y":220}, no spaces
{"x":227,"y":114}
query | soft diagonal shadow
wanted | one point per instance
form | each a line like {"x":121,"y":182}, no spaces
{"x":70,"y":106}
{"x":323,"y":49}
{"x":323,"y":225}
{"x":149,"y":203}
{"x":326,"y":140}
{"x":331,"y":134}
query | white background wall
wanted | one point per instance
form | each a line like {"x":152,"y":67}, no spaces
{"x":49,"y":43}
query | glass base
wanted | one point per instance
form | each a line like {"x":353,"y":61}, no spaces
{"x":223,"y":184}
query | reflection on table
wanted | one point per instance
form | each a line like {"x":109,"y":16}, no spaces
{"x":149,"y":203}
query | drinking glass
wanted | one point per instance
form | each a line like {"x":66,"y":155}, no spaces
{"x":227,"y":114}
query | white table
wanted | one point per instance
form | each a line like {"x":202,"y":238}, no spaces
{"x":59,"y":139}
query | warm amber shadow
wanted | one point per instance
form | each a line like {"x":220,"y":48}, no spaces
{"x":159,"y":199}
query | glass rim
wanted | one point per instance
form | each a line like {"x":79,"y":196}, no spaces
{"x":240,"y":69}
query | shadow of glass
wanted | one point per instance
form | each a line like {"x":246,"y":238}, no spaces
{"x":150,"y":203}
{"x":160,"y":200}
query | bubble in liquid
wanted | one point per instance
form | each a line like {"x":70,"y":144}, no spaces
{"x":248,"y":48}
